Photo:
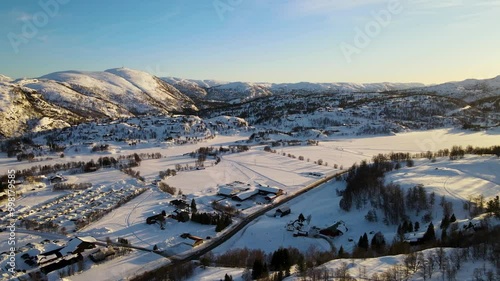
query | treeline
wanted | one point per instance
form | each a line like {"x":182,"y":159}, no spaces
{"x":221,"y":221}
{"x":269,"y":266}
{"x":167,"y":173}
{"x":133,"y":173}
{"x":454,"y":153}
{"x":457,"y":152}
{"x":212,"y":151}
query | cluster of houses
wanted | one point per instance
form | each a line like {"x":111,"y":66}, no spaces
{"x":180,"y":214}
{"x":240,"y":191}
{"x":69,"y":254}
{"x":66,"y":210}
{"x":76,"y":250}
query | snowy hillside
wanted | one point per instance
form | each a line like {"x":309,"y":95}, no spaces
{"x":22,"y":111}
{"x":4,"y":78}
{"x":321,"y":115}
{"x":79,"y":95}
{"x":187,"y":87}
{"x":135,"y":91}
{"x":235,"y":92}
{"x":468,"y":90}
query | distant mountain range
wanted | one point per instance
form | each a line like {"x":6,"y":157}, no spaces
{"x":69,"y":97}
{"x":235,"y":92}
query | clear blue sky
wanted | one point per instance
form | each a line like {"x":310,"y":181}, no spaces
{"x":427,"y":41}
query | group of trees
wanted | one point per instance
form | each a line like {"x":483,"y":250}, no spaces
{"x":133,"y":173}
{"x":167,"y":188}
{"x":275,"y":265}
{"x":493,"y":206}
{"x":100,"y":147}
{"x":221,"y":221}
{"x":167,"y":173}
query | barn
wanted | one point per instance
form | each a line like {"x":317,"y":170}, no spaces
{"x":78,"y":244}
{"x":265,"y":190}
{"x":63,"y":262}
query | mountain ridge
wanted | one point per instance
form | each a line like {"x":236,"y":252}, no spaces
{"x":65,"y":98}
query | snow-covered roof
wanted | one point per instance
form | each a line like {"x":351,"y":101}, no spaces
{"x":269,"y":189}
{"x":283,"y":209}
{"x":88,"y":239}
{"x":414,"y":237}
{"x":227,"y":191}
{"x":74,"y":243}
{"x":247,"y":194}
{"x":45,"y":259}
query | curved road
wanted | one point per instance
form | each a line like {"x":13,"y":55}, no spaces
{"x":176,"y":260}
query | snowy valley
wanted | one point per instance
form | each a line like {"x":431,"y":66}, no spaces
{"x":138,"y":176}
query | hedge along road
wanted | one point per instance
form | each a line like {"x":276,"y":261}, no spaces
{"x":177,"y":260}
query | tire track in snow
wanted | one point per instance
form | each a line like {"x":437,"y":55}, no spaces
{"x":133,"y":209}
{"x":252,"y":170}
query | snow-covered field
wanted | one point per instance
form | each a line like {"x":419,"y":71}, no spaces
{"x":254,"y":166}
{"x":348,"y":150}
{"x":456,"y":180}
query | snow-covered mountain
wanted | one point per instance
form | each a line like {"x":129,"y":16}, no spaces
{"x":189,"y":87}
{"x":70,"y":97}
{"x":235,"y":92}
{"x":83,"y":95}
{"x":468,"y":90}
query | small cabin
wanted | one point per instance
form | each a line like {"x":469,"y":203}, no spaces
{"x":282,"y":211}
{"x":180,"y":216}
{"x":56,"y":179}
{"x":179,"y":204}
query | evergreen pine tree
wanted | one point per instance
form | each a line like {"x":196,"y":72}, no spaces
{"x":365,"y":241}
{"x":193,"y":206}
{"x":341,"y":252}
{"x":453,"y":218}
{"x":430,"y":235}
{"x":257,"y":269}
{"x":445,"y":222}
{"x":301,"y":217}
{"x":444,"y":236}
